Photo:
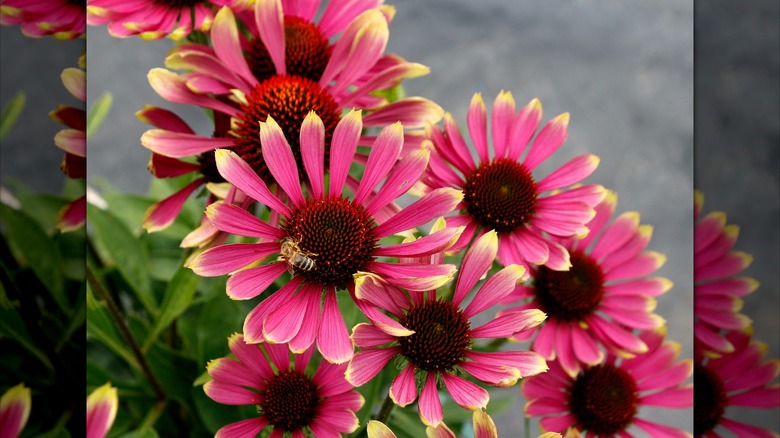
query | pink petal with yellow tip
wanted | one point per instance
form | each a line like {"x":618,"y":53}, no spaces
{"x":465,"y":393}
{"x":412,"y":112}
{"x":237,"y":172}
{"x":313,"y":152}
{"x":382,"y":158}
{"x":225,"y":259}
{"x":162,"y":214}
{"x":332,"y":337}
{"x":435,"y":204}
{"x":344,"y":141}
{"x":574,"y":171}
{"x":501,"y":122}
{"x":278,"y":156}
{"x":429,"y":404}
{"x":523,"y":127}
{"x":366,"y":364}
{"x":243,"y":429}
{"x":549,"y":139}
{"x":404,"y":174}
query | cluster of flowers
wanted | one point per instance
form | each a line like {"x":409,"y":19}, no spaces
{"x":311,"y":162}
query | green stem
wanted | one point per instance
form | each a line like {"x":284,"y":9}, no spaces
{"x":119,"y":320}
{"x":153,"y":415}
{"x":527,"y":422}
{"x":384,"y":411}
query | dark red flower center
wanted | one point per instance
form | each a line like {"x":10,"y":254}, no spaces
{"x":500,"y":195}
{"x":288,"y":99}
{"x":290,"y":401}
{"x":709,"y":400}
{"x":570,"y":295}
{"x":335,"y":234}
{"x":306,"y":52}
{"x":604,"y":399}
{"x":441,"y":337}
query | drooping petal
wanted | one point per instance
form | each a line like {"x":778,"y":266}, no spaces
{"x":484,"y":427}
{"x":429,"y":405}
{"x":333,"y":338}
{"x":181,"y":144}
{"x":376,"y":429}
{"x":412,"y":112}
{"x":418,"y":277}
{"x":403,"y":390}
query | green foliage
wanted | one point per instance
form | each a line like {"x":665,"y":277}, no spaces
{"x":98,"y":112}
{"x":11,"y":113}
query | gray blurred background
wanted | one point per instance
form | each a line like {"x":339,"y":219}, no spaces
{"x":624,"y":70}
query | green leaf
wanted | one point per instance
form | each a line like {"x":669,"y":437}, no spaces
{"x":405,"y":422}
{"x":42,"y":208}
{"x":177,"y":298}
{"x":11,"y":113}
{"x":213,"y":415}
{"x":98,"y":113}
{"x":36,"y":250}
{"x":101,"y":327}
{"x":145,"y":433}
{"x":77,"y":319}
{"x":12,"y":326}
{"x":218,"y":319}
{"x":126,"y":253}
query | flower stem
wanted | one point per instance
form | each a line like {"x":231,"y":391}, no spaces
{"x":153,"y":415}
{"x":119,"y":320}
{"x":384,"y":411}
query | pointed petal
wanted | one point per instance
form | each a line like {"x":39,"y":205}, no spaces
{"x":523,"y":127}
{"x":313,"y":152}
{"x":403,"y":390}
{"x":476,"y":119}
{"x":382,"y":158}
{"x":478,"y":259}
{"x":235,"y":220}
{"x":549,"y":139}
{"x":501,"y":122}
{"x":434,"y":204}
{"x":269,"y":19}
{"x":249,"y":283}
{"x":429,"y":405}
{"x":343,"y":146}
{"x":237,"y":172}
{"x":225,"y":259}
{"x":495,"y":289}
{"x":400,"y":179}
{"x":574,"y":171}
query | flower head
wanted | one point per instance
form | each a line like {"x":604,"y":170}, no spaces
{"x":289,"y":399}
{"x":602,"y":297}
{"x":15,"y":406}
{"x":62,"y":19}
{"x":738,"y":378}
{"x":102,"y":405}
{"x":323,"y":237}
{"x":717,"y":290}
{"x":433,"y":336}
{"x":500,"y":193}
{"x":73,"y":140}
{"x":229,"y":80}
{"x":604,"y":399}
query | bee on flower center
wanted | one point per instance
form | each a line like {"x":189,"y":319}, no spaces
{"x":295,"y":257}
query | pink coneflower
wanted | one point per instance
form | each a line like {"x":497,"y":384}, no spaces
{"x":716,"y":288}
{"x":434,"y":336}
{"x":289,"y":400}
{"x":602,"y":297}
{"x":155,"y":19}
{"x":738,"y":378}
{"x":501,"y":194}
{"x":324,"y":238}
{"x":286,"y":98}
{"x":73,"y":141}
{"x":62,"y":19}
{"x":604,"y":400}
{"x":15,"y":405}
{"x":102,"y":405}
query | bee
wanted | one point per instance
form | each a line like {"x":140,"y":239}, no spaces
{"x":295,"y":257}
